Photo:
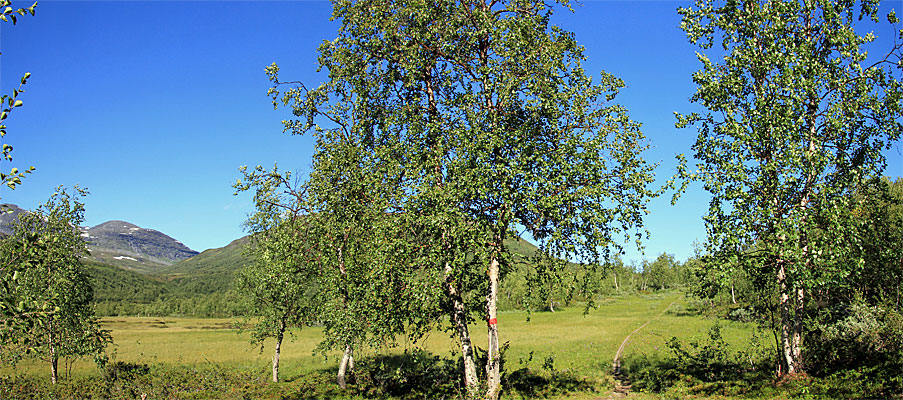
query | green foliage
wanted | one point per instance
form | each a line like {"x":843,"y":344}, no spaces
{"x":204,"y":285}
{"x":796,"y":122}
{"x":882,"y":380}
{"x":411,"y":374}
{"x":15,"y":314}
{"x":857,"y":323}
{"x":119,"y":292}
{"x":115,"y":285}
{"x":8,"y":103}
{"x":703,"y":363}
{"x":341,"y":258}
{"x":447,"y":127}
{"x":664,"y":273}
{"x":201,"y":286}
{"x":222,"y":263}
{"x":876,"y":264}
{"x":155,"y":381}
{"x":282,"y":282}
{"x":712,"y":367}
{"x":44,"y":254}
{"x":121,"y":370}
{"x":857,"y":336}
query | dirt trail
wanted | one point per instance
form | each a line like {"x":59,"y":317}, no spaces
{"x":622,"y":386}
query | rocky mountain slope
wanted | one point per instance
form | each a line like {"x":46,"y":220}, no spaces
{"x":133,"y":247}
{"x":119,"y":243}
{"x":9,"y":213}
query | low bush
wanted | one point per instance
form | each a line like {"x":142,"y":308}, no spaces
{"x":413,"y":374}
{"x":121,"y":370}
{"x":857,"y":349}
{"x":702,"y":367}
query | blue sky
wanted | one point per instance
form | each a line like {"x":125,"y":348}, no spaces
{"x":153,"y":106}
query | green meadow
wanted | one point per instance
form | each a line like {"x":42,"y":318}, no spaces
{"x":562,"y":354}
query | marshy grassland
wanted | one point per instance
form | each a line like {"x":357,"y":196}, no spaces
{"x":562,"y":354}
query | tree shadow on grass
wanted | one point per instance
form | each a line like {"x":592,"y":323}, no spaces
{"x":690,"y":309}
{"x":528,"y":384}
{"x":411,"y":375}
{"x":419,"y":374}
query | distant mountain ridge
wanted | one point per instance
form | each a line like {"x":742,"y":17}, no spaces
{"x":132,"y":241}
{"x":139,"y":271}
{"x":9,"y":213}
{"x":119,"y":243}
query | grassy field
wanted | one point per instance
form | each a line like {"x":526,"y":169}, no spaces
{"x":565,"y":343}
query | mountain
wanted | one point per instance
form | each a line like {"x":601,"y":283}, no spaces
{"x":138,"y":271}
{"x":228,"y":258}
{"x":132,"y":247}
{"x":210,"y":271}
{"x":118,"y":243}
{"x":9,"y":213}
{"x":197,"y":286}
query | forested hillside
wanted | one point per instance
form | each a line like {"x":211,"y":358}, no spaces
{"x":203,"y":285}
{"x":197,"y":286}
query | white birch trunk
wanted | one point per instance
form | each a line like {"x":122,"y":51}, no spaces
{"x":471,"y":381}
{"x":279,"y":338}
{"x":343,"y":366}
{"x":53,"y":356}
{"x":493,"y":375}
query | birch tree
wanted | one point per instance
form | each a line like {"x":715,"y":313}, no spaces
{"x":797,"y":115}
{"x":329,"y":252}
{"x":13,"y":315}
{"x":377,"y":286}
{"x":480,"y":119}
{"x":46,"y":249}
{"x":282,"y":281}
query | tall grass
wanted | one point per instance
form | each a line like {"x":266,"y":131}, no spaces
{"x":557,"y":354}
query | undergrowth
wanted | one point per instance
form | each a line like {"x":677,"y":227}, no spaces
{"x":415,"y":374}
{"x":708,"y":368}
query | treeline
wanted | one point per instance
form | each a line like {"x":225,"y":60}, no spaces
{"x":118,"y":292}
{"x":525,"y":289}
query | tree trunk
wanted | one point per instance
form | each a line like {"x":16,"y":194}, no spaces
{"x":471,"y":382}
{"x":279,"y":337}
{"x":733,"y":297}
{"x":787,"y":324}
{"x":493,"y":376}
{"x":351,"y":363}
{"x":343,"y":366}
{"x":797,"y":339}
{"x":53,"y":367}
{"x":617,"y":287}
{"x":53,"y":356}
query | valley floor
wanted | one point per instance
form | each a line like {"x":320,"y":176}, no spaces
{"x":565,"y":354}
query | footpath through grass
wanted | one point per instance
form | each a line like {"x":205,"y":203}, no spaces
{"x":564,"y":354}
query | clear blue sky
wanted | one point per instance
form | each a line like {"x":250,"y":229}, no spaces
{"x":153,"y":106}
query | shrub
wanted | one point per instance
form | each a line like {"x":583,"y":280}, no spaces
{"x":121,"y":370}
{"x":847,"y":339}
{"x":702,"y":366}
